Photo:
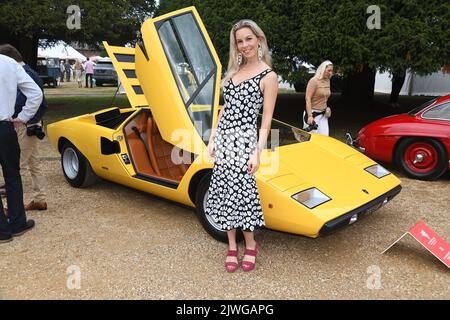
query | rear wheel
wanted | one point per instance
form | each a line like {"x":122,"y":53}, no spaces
{"x":422,"y":158}
{"x":76,"y":167}
{"x":213,"y":228}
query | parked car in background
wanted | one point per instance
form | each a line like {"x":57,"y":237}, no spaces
{"x":104,"y":72}
{"x":48,"y":70}
{"x":417,"y":141}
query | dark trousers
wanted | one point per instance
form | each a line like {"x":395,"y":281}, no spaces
{"x":10,"y":162}
{"x":88,"y":75}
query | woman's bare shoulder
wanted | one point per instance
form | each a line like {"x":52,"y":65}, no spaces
{"x":271,"y":76}
{"x":313,"y":80}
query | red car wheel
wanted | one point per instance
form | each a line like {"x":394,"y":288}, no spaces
{"x":422,"y":158}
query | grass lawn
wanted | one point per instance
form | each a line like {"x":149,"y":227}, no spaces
{"x":64,"y":107}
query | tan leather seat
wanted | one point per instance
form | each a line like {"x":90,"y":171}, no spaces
{"x":161,"y":153}
{"x":137,"y":148}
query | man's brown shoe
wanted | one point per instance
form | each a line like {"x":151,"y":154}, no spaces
{"x":38,"y":205}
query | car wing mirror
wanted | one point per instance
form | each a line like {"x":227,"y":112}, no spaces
{"x":109,"y":147}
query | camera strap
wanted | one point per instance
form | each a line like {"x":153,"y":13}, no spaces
{"x":314,"y":114}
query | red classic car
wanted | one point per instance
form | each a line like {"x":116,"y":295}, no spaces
{"x":417,"y":141}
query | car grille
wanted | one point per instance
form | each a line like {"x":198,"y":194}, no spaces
{"x":355,"y":215}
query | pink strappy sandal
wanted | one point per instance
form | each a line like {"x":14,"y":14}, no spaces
{"x":247,"y":265}
{"x":231,"y":266}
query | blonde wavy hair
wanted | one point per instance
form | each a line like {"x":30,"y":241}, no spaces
{"x":321,"y":69}
{"x":233,"y":66}
{"x":77,"y":64}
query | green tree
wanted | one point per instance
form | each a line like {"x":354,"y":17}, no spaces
{"x":273,"y":16}
{"x":23,"y":23}
{"x":414,"y":35}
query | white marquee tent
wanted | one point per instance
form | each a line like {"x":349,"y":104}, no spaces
{"x":60,"y":50}
{"x":435,"y":84}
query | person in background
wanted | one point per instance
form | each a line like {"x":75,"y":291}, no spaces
{"x":317,"y":94}
{"x":29,"y":144}
{"x":68,"y":68}
{"x":62,"y":70}
{"x":13,"y":77}
{"x":78,"y":72}
{"x":89,"y":70}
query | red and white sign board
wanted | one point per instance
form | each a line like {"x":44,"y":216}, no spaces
{"x":430,"y":240}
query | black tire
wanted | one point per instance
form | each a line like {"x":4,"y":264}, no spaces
{"x":207,"y":223}
{"x":410,"y":146}
{"x":76,"y":168}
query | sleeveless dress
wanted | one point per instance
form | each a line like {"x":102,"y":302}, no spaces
{"x":233,"y":200}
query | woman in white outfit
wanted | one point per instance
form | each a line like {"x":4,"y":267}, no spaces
{"x":317,"y":94}
{"x":78,"y":72}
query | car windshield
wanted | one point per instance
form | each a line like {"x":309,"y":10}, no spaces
{"x":282,"y":134}
{"x":439,"y":112}
{"x":416,"y":110}
{"x":192,"y":67}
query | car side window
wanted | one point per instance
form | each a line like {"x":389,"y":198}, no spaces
{"x":440,"y":112}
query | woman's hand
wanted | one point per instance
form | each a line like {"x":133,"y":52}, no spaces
{"x":310,"y":120}
{"x":253,"y":162}
{"x":211,"y":149}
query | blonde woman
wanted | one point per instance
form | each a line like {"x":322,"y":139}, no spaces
{"x":78,"y":71}
{"x":317,"y":94}
{"x":249,"y":86}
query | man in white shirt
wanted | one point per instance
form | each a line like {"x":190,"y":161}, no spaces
{"x":13,"y":76}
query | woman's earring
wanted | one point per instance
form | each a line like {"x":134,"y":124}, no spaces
{"x":239,"y":59}
{"x":260,"y":54}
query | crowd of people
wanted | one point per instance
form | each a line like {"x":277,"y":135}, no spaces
{"x":75,"y":71}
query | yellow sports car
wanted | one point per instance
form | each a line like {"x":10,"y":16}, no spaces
{"x":309,"y":184}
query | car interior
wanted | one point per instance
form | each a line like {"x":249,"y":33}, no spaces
{"x":150,"y":154}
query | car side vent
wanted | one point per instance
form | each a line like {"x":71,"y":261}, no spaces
{"x":138,"y":90}
{"x":124,"y":57}
{"x":131,"y":74}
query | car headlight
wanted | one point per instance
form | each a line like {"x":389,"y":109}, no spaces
{"x":311,"y":198}
{"x":377,"y":170}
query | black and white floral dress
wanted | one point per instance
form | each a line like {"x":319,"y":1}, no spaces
{"x":233,"y":200}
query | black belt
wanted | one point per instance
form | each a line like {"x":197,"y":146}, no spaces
{"x":314,"y":114}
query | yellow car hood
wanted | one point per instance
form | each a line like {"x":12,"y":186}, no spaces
{"x":332,"y":167}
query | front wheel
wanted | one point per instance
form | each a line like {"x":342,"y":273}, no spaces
{"x":422,"y":158}
{"x":212,"y":227}
{"x":76,"y":167}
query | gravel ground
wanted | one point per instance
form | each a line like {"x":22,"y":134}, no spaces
{"x":130,"y":245}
